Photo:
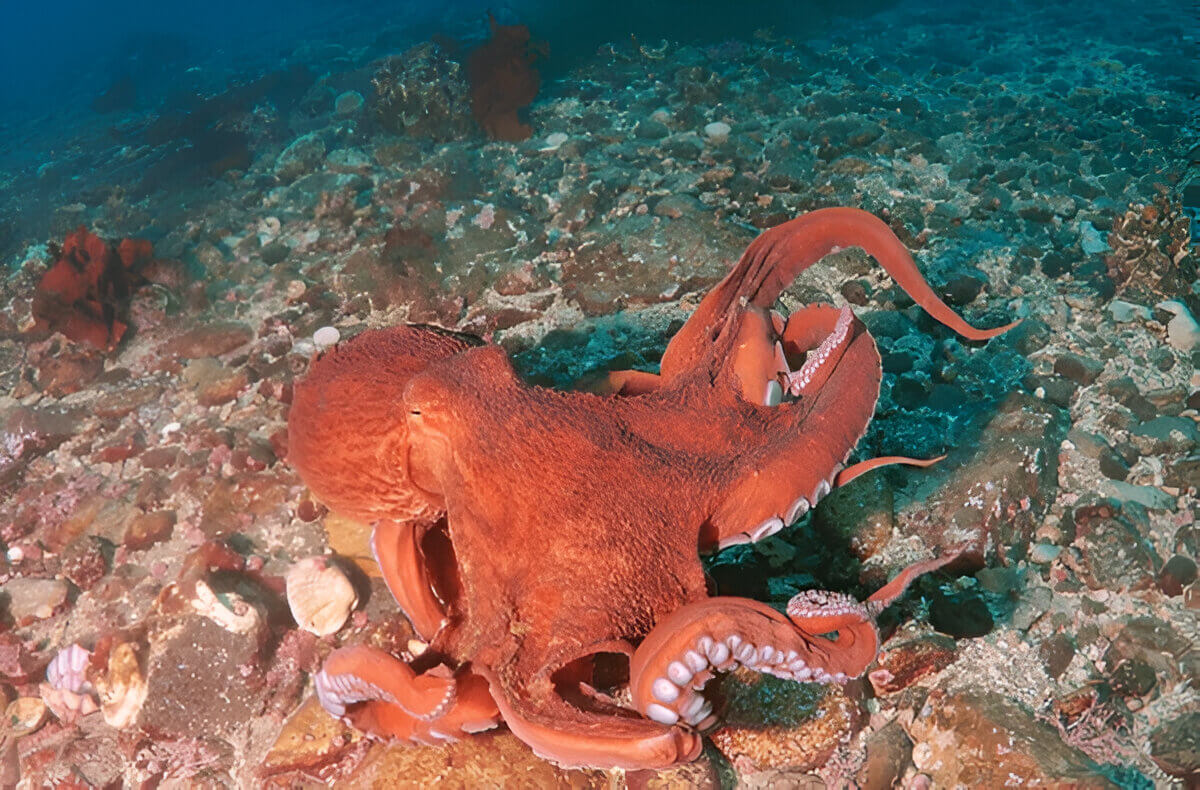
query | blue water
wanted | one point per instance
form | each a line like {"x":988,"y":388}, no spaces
{"x":56,"y":59}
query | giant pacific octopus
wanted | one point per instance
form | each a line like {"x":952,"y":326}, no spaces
{"x":543,"y":542}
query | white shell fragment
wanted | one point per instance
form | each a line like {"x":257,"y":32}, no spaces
{"x":319,"y":595}
{"x":554,"y":141}
{"x":230,"y":611}
{"x":1183,"y":332}
{"x":326,"y":337}
{"x":717,"y":131}
{"x":122,"y":688}
{"x":23,"y":716}
{"x":66,"y":669}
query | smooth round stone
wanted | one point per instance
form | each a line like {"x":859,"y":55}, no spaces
{"x":1125,"y":312}
{"x":1044,"y":553}
{"x":554,"y":141}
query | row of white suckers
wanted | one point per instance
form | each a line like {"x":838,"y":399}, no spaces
{"x":775,"y":523}
{"x":678,"y":694}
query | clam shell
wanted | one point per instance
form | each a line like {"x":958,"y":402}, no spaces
{"x":23,"y":716}
{"x":319,"y":595}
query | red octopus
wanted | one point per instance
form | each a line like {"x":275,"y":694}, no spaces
{"x":528,"y":532}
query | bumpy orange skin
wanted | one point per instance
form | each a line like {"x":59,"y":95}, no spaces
{"x":527,"y":531}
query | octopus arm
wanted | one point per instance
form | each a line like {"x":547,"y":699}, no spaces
{"x":774,"y":259}
{"x":570,"y":736}
{"x":378,"y":693}
{"x":824,"y":637}
{"x":406,"y":570}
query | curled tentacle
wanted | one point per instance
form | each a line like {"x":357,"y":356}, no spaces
{"x":381,"y":695}
{"x":825,"y":637}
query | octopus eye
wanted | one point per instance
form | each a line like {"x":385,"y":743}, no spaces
{"x":414,"y":411}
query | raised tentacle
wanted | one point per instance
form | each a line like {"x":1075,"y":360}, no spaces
{"x":379,"y":694}
{"x":804,"y":442}
{"x":855,"y":471}
{"x":823,"y":359}
{"x":774,"y":259}
{"x":824,"y":637}
{"x":558,"y":731}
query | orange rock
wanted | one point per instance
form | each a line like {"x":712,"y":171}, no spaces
{"x":311,"y":740}
{"x":984,"y":740}
{"x":777,"y":724}
{"x":209,"y":340}
{"x":902,"y":665}
{"x":486,"y":760}
{"x":352,"y":540}
{"x":147,"y":529}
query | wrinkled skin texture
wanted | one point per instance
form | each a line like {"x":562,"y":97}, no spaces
{"x":536,"y":536}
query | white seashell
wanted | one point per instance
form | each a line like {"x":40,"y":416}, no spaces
{"x":319,"y":595}
{"x":717,"y":131}
{"x":326,"y":337}
{"x":231,"y":611}
{"x":65,"y":670}
{"x":554,"y":141}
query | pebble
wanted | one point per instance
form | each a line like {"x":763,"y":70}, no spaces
{"x":208,"y":340}
{"x":274,"y":253}
{"x":1183,"y":332}
{"x":1081,"y":370}
{"x":1177,"y":573}
{"x":717,"y":131}
{"x":319,"y":595}
{"x":23,"y":716}
{"x":1091,"y":241}
{"x":302,"y":156}
{"x":326,"y":337}
{"x":1125,"y":312}
{"x":295,"y":289}
{"x":651,"y":129}
{"x":1146,"y":496}
{"x":34,"y":599}
{"x":1044,"y":553}
{"x":554,"y":141}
